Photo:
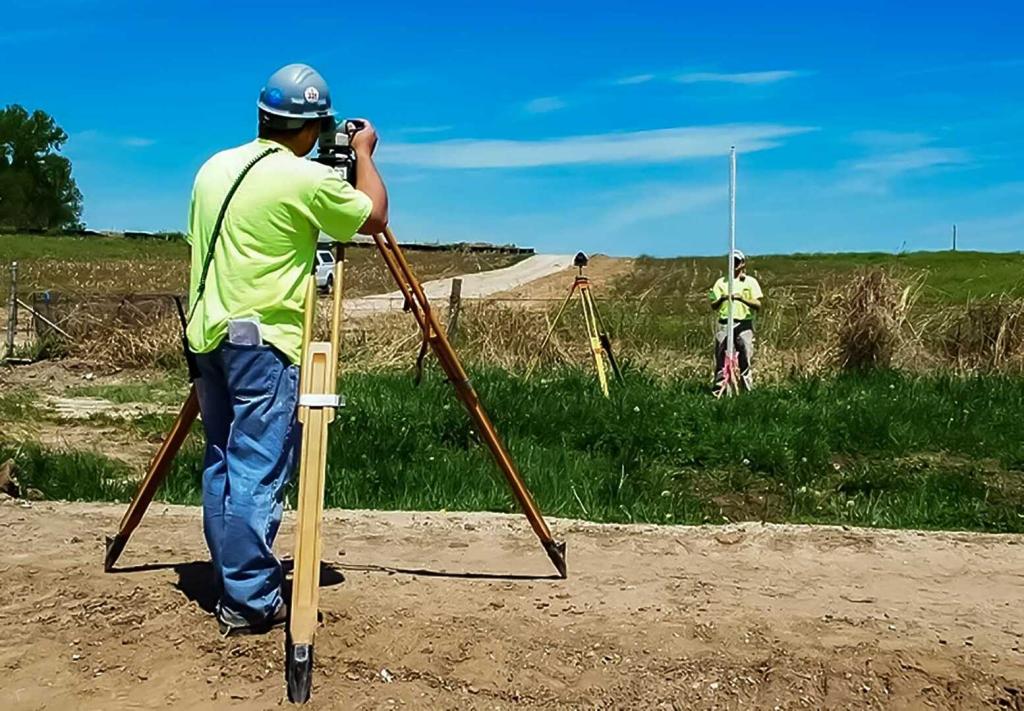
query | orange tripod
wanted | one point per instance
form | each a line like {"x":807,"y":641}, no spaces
{"x":317,"y":400}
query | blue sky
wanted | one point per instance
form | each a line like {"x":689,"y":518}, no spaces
{"x":567,"y":125}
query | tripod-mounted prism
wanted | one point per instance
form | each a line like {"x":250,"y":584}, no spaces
{"x":597,"y":333}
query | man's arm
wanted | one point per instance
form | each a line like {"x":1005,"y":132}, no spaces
{"x":364,"y":143}
{"x":754,"y":301}
{"x":716,"y":296}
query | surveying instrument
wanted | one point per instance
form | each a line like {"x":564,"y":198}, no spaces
{"x":731,"y":375}
{"x":318,"y":401}
{"x":597,"y":333}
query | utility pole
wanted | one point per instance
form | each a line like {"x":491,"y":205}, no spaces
{"x":954,"y":236}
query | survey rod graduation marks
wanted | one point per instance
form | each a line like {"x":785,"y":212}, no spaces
{"x":729,"y":384}
{"x":730,"y":348}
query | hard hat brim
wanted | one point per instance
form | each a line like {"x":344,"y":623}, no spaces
{"x":276,"y":111}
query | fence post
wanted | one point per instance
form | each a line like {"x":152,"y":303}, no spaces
{"x":454,"y":307}
{"x":12,"y":311}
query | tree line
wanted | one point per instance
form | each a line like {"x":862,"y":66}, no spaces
{"x":37,"y":191}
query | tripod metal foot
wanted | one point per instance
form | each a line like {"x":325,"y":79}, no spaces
{"x":115,"y":545}
{"x":299,"y":672}
{"x":556,"y":552}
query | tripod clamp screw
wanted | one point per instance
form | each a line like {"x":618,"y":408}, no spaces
{"x":321,"y":400}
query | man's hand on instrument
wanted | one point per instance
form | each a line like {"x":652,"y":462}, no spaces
{"x":364,"y":143}
{"x":364,"y":140}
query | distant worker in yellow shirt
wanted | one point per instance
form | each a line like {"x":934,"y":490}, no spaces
{"x":745,"y":303}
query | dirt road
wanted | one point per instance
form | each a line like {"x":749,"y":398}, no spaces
{"x":746,"y":616}
{"x":474,"y":286}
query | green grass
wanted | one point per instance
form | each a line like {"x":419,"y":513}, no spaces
{"x":18,"y":405}
{"x":160,"y":392}
{"x":874,"y":450}
{"x":25,"y":248}
{"x":68,"y":474}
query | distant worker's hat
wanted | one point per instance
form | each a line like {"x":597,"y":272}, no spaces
{"x":738,"y":257}
{"x":293,"y":95}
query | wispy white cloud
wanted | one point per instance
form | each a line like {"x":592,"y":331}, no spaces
{"x":659,"y":201}
{"x":634,"y":79}
{"x":769,"y":77}
{"x":902,"y":162}
{"x":421,"y":130}
{"x":544,"y":105}
{"x":99,"y":137}
{"x":667,"y":145}
{"x":136,"y":141}
{"x":896,"y":155}
{"x":890,"y":140}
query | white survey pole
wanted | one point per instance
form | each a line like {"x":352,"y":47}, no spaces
{"x":730,"y":347}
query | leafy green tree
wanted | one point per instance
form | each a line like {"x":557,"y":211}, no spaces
{"x":36,"y":187}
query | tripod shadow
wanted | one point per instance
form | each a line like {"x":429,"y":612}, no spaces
{"x":196,"y":579}
{"x":426,"y":573}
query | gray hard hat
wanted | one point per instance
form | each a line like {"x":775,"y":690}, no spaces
{"x":293,"y":95}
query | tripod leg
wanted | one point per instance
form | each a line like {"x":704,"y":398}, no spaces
{"x":308,"y":544}
{"x":595,"y":341}
{"x":407,"y":282}
{"x":606,"y":341}
{"x":158,"y":469}
{"x":551,"y":330}
{"x":317,"y":386}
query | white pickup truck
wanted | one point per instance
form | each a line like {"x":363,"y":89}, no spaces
{"x":323,"y":268}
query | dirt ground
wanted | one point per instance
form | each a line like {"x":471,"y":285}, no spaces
{"x":458,"y":611}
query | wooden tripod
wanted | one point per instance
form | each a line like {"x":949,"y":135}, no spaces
{"x":597,"y":333}
{"x":317,"y":401}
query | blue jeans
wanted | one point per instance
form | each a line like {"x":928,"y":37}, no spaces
{"x":248,"y":397}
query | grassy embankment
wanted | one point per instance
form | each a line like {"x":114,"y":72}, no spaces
{"x":877,"y":449}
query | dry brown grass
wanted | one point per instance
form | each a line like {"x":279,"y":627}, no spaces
{"x":984,"y":336}
{"x":864,"y":320}
{"x":870,"y":320}
{"x":137,"y":331}
{"x":365,"y":272}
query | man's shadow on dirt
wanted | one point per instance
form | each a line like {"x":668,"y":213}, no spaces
{"x":197,"y":582}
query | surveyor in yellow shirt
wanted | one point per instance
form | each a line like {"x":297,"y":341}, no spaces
{"x":745,"y":303}
{"x":256,"y":213}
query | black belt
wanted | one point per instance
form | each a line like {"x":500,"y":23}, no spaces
{"x":737,"y":322}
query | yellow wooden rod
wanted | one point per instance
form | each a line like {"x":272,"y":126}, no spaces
{"x":339,"y":275}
